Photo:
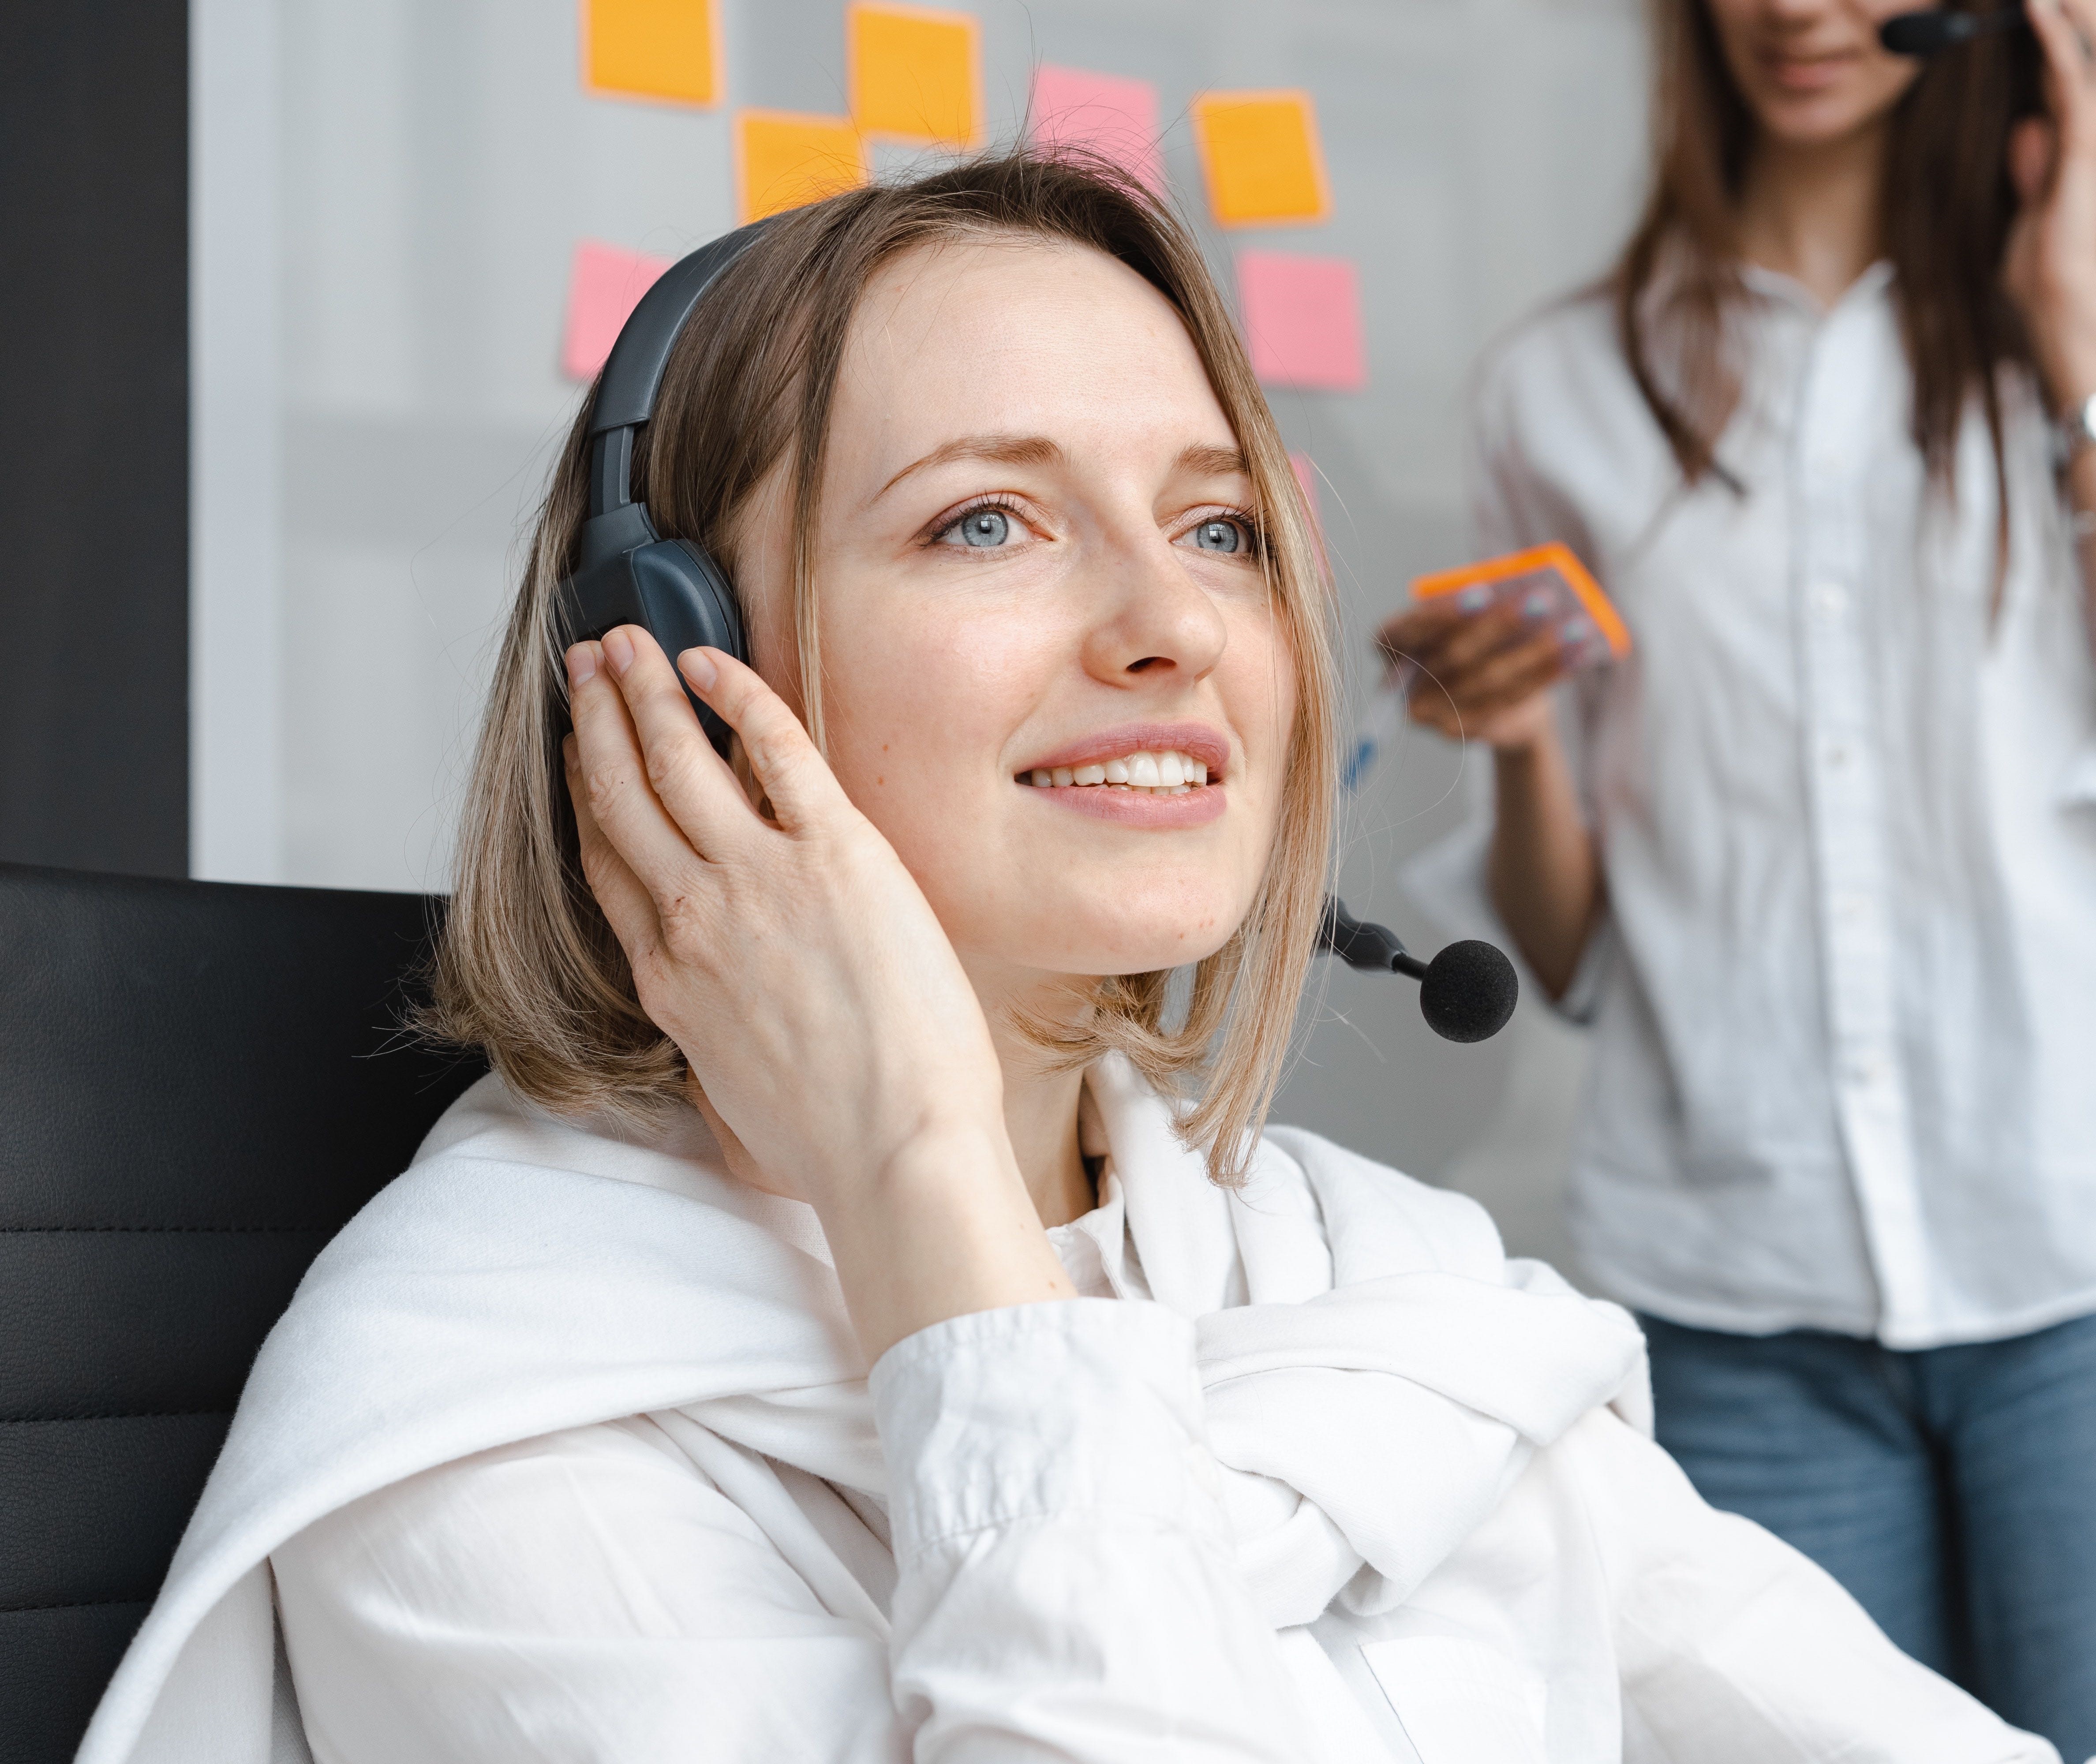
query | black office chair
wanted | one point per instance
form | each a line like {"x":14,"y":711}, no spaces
{"x":199,"y":1084}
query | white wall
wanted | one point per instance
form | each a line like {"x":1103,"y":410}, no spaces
{"x":421,"y":169}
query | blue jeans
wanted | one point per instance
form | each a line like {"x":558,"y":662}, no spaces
{"x":1952,"y":1489}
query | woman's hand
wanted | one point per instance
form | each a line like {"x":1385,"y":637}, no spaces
{"x":2049,"y":268}
{"x":799,"y":967}
{"x":1483,"y":676}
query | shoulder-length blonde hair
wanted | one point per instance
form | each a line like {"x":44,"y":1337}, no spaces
{"x":527,"y":967}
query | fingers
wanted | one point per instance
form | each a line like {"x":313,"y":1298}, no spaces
{"x":614,"y":793}
{"x":1504,"y":681}
{"x":2066,"y":31}
{"x":1420,"y":627}
{"x":688,"y":778}
{"x":627,"y":905}
{"x":788,"y":770}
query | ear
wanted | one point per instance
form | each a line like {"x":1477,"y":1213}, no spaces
{"x":2033,"y":149}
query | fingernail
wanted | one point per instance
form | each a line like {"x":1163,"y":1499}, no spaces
{"x":618,"y":652}
{"x":699,"y":669}
{"x":582,"y":664}
{"x":1474,"y":600}
{"x":1537,"y":605}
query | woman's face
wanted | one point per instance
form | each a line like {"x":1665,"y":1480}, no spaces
{"x":1034,"y":566}
{"x":1812,"y":72}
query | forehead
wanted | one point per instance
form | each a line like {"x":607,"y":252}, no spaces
{"x":1010,"y":334}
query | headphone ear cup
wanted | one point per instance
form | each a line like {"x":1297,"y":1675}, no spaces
{"x":688,"y":601}
{"x":672,"y":590}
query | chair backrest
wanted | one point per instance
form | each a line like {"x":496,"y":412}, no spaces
{"x":199,"y":1083}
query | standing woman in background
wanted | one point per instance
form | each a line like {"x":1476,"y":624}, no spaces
{"x":1818,"y":860}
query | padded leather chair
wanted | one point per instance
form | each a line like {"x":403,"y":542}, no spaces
{"x":199,"y":1084}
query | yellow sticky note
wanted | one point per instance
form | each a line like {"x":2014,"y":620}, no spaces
{"x":916,"y":74}
{"x":785,"y":159}
{"x":661,"y":49}
{"x":1262,"y":158}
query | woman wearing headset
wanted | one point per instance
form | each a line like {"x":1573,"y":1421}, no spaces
{"x":1819,"y":862}
{"x":827,"y":1336}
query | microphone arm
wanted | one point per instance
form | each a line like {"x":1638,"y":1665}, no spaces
{"x":1466,"y":993}
{"x":1923,"y":34}
{"x":1374,"y":948}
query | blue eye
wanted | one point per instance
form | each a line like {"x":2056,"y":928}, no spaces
{"x":1225,"y":537}
{"x":982,"y":528}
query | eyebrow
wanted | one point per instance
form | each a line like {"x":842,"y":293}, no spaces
{"x":1214,"y":462}
{"x":1003,"y":449}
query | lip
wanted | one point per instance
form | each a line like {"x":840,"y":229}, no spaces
{"x":1136,"y":808}
{"x":1808,"y":74}
{"x":1201,"y":741}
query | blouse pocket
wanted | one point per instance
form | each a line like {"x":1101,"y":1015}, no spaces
{"x":1460,"y":1702}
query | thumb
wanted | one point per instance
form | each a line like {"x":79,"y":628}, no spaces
{"x":2033,"y":147}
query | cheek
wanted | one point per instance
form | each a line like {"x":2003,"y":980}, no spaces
{"x":921,"y":718}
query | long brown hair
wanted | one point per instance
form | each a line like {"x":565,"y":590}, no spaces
{"x":1947,"y":206}
{"x":528,"y":969}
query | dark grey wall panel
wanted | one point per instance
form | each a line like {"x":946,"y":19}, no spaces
{"x":94,"y":434}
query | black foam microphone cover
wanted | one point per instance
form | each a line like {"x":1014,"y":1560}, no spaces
{"x":1469,"y":992}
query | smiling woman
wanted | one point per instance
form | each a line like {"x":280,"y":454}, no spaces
{"x":831,"y":1334}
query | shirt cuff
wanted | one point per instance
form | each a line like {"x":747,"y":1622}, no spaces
{"x":1038,"y":1410}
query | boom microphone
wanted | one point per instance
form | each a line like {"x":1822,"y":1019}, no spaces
{"x":1922,"y":34}
{"x":1466,"y":993}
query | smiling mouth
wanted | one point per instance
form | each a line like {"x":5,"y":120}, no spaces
{"x":1163,"y":772}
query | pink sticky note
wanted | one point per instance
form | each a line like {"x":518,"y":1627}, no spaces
{"x":604,"y":285}
{"x":1302,"y":320}
{"x":1115,"y":118}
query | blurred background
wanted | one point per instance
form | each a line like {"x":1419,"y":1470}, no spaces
{"x":286,"y":287}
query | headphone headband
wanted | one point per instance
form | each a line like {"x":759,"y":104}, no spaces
{"x":627,"y":388}
{"x":632,"y":374}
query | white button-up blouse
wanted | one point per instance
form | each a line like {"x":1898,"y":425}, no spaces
{"x":1844,"y":1004}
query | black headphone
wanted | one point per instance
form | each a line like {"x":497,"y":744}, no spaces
{"x":629,"y":575}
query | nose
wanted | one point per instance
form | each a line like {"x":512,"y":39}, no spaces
{"x":1155,"y":625}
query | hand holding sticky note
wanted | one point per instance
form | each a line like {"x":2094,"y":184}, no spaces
{"x":1552,"y":587}
{"x":1552,"y":592}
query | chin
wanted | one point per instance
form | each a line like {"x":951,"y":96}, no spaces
{"x":1059,"y":940}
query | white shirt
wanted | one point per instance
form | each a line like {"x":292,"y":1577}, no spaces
{"x":1844,"y":1006}
{"x":1325,"y":1478}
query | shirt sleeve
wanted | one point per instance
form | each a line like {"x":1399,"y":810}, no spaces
{"x":1064,"y":1585}
{"x":1735,"y":1648}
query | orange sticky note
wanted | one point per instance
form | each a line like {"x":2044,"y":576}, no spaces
{"x":659,"y":49}
{"x":1112,"y":117}
{"x":785,"y":159}
{"x":604,"y":285}
{"x":1262,"y":158}
{"x":915,"y":74}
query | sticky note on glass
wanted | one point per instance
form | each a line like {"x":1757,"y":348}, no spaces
{"x":604,"y":285}
{"x":1115,"y":118}
{"x":1302,"y":320}
{"x":786,"y":160}
{"x":659,"y":49}
{"x":1551,"y":588}
{"x":915,"y":74}
{"x":1262,"y":158}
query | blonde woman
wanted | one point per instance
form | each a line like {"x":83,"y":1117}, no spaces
{"x":829,"y":1335}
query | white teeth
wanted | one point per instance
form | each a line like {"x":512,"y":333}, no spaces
{"x":1166,"y":772}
